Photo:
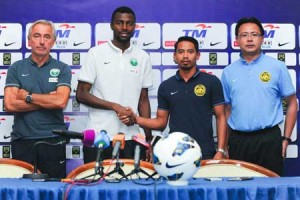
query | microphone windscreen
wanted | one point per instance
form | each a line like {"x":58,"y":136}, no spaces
{"x":102,"y":140}
{"x":121,"y":138}
{"x":88,"y":137}
{"x":140,"y":138}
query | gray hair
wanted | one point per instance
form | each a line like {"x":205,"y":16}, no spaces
{"x":44,"y":22}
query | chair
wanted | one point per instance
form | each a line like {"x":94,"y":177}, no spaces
{"x":11,"y":168}
{"x":88,"y":170}
{"x":231,"y":168}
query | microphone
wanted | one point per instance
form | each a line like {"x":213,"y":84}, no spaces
{"x":102,"y":141}
{"x":118,"y":143}
{"x":88,"y":137}
{"x":140,"y":140}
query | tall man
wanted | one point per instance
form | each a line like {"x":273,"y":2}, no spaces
{"x":187,"y":100}
{"x":115,"y":76}
{"x":37,"y":90}
{"x":254,"y":86}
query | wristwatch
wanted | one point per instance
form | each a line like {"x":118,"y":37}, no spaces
{"x":222,"y":151}
{"x":28,"y":98}
{"x":287,"y":139}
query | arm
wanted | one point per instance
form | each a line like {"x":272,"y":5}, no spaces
{"x":13,"y":104}
{"x":221,"y":129}
{"x":145,"y":111}
{"x":158,"y":123}
{"x":290,"y":120}
{"x":54,"y":100}
{"x":227,"y":114}
{"x":84,"y":96}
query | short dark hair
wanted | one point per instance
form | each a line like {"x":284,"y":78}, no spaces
{"x":122,"y":9}
{"x":187,"y":38}
{"x":249,"y":20}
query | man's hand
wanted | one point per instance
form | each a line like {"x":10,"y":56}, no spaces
{"x":127,"y":116}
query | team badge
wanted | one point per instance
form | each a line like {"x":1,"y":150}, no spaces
{"x":133,"y":62}
{"x":54,"y":72}
{"x":265,"y":77}
{"x":200,"y":90}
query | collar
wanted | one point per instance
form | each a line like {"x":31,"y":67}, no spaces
{"x":178,"y":77}
{"x":117,"y":48}
{"x":34,"y":63}
{"x":253,"y":61}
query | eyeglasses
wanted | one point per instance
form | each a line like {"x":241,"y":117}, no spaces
{"x":246,"y":35}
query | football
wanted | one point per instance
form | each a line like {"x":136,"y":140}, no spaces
{"x":177,"y":157}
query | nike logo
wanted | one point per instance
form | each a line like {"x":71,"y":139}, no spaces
{"x":6,"y":137}
{"x":8,"y":44}
{"x":105,"y":63}
{"x":76,"y":44}
{"x":147,"y":44}
{"x":62,"y":161}
{"x":282,"y":44}
{"x":172,"y":93}
{"x":214,"y":44}
{"x":172,"y":166}
{"x":25,"y":74}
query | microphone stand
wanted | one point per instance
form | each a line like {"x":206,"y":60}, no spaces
{"x":118,"y":168}
{"x":98,"y":165}
{"x":137,"y":169}
{"x":35,"y":174}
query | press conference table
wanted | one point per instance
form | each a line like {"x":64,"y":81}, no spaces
{"x":285,"y":188}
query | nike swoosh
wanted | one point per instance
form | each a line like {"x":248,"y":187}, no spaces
{"x":25,"y":74}
{"x":8,"y":44}
{"x":76,"y":44}
{"x":61,"y":161}
{"x":172,"y":166}
{"x":282,"y":44}
{"x":105,"y":63}
{"x":214,"y":44}
{"x":6,"y":137}
{"x":172,"y":93}
{"x":147,"y":44}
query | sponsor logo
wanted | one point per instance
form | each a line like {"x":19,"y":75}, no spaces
{"x":77,"y":44}
{"x":214,"y":44}
{"x":8,"y":44}
{"x":282,"y":44}
{"x":6,"y":137}
{"x":6,"y":59}
{"x":105,"y":63}
{"x":147,"y":44}
{"x":213,"y":59}
{"x":172,"y":166}
{"x":6,"y":152}
{"x":172,"y":93}
{"x":76,"y":59}
{"x":25,"y":74}
{"x":281,"y":57}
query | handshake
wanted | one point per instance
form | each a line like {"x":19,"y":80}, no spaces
{"x":126,"y":115}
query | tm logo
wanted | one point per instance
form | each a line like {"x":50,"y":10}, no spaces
{"x":270,"y":30}
{"x":64,"y":32}
{"x":200,"y":32}
{"x":137,"y":31}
